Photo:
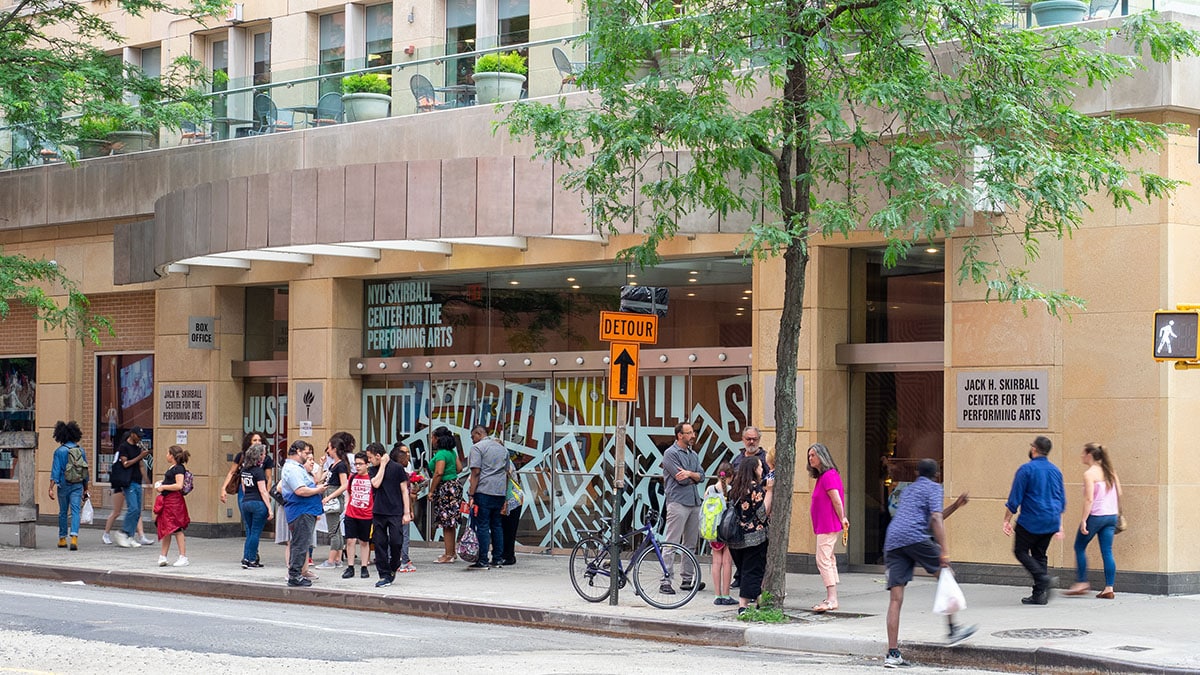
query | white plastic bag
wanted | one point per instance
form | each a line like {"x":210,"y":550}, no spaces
{"x":86,"y":513}
{"x":949,"y":598}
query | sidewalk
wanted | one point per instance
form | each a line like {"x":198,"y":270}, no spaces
{"x":1133,"y":633}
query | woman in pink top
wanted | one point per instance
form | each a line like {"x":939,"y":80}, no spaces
{"x":828,"y":513}
{"x":1101,"y":504}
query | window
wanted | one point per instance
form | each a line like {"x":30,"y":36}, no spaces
{"x":460,"y":38}
{"x":218,"y":60}
{"x":514,"y":22}
{"x":125,"y":399}
{"x":266,"y":329}
{"x":332,"y":50}
{"x":262,"y":57}
{"x":18,"y":398}
{"x":152,"y":61}
{"x":379,"y":35}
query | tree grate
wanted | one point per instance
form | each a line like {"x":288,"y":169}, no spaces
{"x":1041,"y":633}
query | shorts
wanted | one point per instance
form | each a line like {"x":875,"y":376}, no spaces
{"x":358,"y":528}
{"x":901,"y":561}
{"x":716,"y":545}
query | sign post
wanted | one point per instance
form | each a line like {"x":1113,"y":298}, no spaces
{"x":625,"y":331}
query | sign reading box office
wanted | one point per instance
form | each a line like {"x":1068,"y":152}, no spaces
{"x":182,"y":405}
{"x":1003,"y":399}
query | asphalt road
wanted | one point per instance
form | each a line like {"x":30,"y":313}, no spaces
{"x":72,"y":628}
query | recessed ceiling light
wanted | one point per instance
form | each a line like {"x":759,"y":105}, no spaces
{"x":575,"y":286}
{"x":693,"y":272}
{"x":693,"y":280}
{"x":570,"y":278}
{"x":747,"y":292}
{"x":931,"y":250}
{"x":514,"y":282}
{"x":630,"y":276}
{"x":741,"y":309}
{"x":633,"y":283}
{"x":738,"y":314}
{"x":691,"y":295}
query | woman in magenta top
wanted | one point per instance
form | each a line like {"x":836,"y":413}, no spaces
{"x":828,"y":513}
{"x":1101,"y":504}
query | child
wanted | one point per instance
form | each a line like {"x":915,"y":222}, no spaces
{"x":358,"y":517}
{"x":173,"y":518}
{"x":722,"y":561}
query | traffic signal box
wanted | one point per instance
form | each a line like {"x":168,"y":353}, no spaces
{"x":1175,"y":335}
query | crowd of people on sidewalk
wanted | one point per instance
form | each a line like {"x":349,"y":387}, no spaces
{"x":366,"y":501}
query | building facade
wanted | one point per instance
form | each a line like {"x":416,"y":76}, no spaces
{"x":389,"y":277}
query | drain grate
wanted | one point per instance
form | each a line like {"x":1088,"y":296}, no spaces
{"x":1134,"y":648}
{"x":1041,"y":633}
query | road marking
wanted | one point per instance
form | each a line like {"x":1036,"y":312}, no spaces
{"x":291,"y":625}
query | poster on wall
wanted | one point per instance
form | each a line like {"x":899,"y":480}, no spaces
{"x":1002,"y":399}
{"x":18,"y":399}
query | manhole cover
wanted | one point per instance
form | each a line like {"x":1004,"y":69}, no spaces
{"x":1041,"y":633}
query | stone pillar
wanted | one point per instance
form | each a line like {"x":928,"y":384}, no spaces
{"x":325,"y":332}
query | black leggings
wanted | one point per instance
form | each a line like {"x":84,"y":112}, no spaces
{"x":388,"y":540}
{"x":752,"y":563}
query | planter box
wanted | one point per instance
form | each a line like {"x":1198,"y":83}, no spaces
{"x":130,"y":141}
{"x":91,"y":148}
{"x":363,"y":107}
{"x":1055,"y":12}
{"x":497,"y":87}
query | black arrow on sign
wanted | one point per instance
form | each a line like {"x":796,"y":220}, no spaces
{"x":625,"y":361}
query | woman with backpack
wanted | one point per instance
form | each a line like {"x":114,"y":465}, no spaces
{"x":69,"y":475}
{"x":173,"y":518}
{"x":750,"y":498}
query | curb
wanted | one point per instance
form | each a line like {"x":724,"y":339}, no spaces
{"x":1035,"y":660}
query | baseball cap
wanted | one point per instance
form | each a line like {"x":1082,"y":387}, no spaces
{"x":141,"y":433}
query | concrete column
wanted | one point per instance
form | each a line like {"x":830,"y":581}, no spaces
{"x":325,"y":332}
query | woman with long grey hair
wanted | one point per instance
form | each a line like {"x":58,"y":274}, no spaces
{"x":256,"y":503}
{"x":828,"y":511}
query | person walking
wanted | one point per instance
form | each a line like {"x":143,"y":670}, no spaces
{"x":235,"y":469}
{"x":1101,"y":506}
{"x":69,"y":478}
{"x":359,"y":514}
{"x":488,"y":461}
{"x":302,"y":507}
{"x":750,"y":496}
{"x":828,"y":513}
{"x":173,"y":519}
{"x":256,"y":504}
{"x":682,"y":477}
{"x":127,"y":471}
{"x":446,"y":488}
{"x":390,"y":512}
{"x":907,"y":543}
{"x":1038,"y":493}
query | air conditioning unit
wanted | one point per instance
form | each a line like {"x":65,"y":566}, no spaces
{"x":984,"y":203}
{"x":234,"y":15}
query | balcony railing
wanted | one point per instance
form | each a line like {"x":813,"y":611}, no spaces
{"x":436,"y":80}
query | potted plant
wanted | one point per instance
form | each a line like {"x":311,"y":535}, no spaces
{"x":91,"y":135}
{"x":499,"y":77}
{"x":366,"y":97}
{"x":1055,"y":12}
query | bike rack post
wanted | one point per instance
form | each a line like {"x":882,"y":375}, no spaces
{"x":614,"y":550}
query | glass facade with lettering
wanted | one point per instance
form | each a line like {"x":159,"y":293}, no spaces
{"x":553,"y":309}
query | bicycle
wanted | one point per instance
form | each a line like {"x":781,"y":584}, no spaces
{"x":591,"y":569}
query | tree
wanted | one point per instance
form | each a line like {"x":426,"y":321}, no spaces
{"x":24,"y":280}
{"x":843,"y":115}
{"x":53,"y":72}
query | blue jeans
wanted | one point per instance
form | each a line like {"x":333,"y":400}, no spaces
{"x":133,"y":506}
{"x":489,"y":528}
{"x":70,"y":496}
{"x":1104,"y":527}
{"x":254,"y":513}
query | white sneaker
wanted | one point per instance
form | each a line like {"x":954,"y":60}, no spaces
{"x":326,"y":565}
{"x":182,"y":562}
{"x":133,"y":543}
{"x":122,"y":539}
{"x":162,"y":561}
{"x":105,"y":538}
{"x":144,"y":540}
{"x":895,"y":661}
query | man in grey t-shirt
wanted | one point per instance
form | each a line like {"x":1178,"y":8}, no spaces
{"x":488,"y":461}
{"x":682,"y":476}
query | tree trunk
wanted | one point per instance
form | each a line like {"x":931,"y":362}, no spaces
{"x":795,"y":266}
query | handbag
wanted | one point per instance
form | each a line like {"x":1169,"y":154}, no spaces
{"x":729,"y":530}
{"x":468,"y":544}
{"x":1122,"y":524}
{"x":333,"y":505}
{"x":514,"y":497}
{"x":234,"y":482}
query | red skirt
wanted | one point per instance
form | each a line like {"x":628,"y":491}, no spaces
{"x":174,"y":516}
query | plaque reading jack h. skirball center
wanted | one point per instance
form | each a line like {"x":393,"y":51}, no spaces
{"x":1003,"y":399}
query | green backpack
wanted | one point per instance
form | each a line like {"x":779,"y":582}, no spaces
{"x":710,"y":516}
{"x":76,"y":470}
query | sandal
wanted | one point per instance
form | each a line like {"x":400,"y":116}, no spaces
{"x":443,"y":560}
{"x":1077,"y":591}
{"x":824,"y":606}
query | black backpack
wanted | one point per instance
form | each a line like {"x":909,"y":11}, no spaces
{"x":729,"y":530}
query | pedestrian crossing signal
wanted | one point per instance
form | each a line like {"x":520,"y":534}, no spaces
{"x":1175,"y":335}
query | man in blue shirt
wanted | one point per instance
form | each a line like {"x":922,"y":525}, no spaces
{"x":302,"y":506}
{"x":908,"y":543}
{"x":1037,"y":491}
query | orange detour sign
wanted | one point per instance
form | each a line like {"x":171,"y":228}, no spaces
{"x":622,"y":372}
{"x":628,"y":327}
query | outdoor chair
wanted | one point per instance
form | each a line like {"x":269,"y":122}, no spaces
{"x":267,"y":119}
{"x":567,"y":69}
{"x":425,"y":95}
{"x":329,"y":110}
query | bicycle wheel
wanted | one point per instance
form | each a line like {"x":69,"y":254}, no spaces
{"x":589,"y":569}
{"x":649,"y":574}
